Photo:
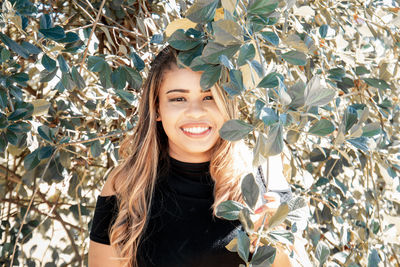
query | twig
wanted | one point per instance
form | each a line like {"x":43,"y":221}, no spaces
{"x":91,"y":35}
{"x":259,"y":234}
{"x":92,"y":139}
{"x":30,"y":204}
{"x":13,"y":201}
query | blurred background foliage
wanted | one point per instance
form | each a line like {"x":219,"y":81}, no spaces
{"x":317,"y":81}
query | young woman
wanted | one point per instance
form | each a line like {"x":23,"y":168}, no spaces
{"x":157,"y":208}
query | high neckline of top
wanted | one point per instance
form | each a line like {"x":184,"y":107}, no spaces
{"x":200,"y":166}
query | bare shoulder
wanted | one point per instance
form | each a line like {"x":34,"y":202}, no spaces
{"x":107,"y":188}
{"x":102,"y":255}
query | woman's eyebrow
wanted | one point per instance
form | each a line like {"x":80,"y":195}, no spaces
{"x":183,"y":91}
{"x":177,"y":91}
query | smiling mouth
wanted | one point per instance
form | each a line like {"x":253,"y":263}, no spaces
{"x":196,"y":131}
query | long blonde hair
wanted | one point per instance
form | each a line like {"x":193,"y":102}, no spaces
{"x":134,"y":179}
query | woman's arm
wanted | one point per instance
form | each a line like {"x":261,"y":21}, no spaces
{"x":101,"y":254}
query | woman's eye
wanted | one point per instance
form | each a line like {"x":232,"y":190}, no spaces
{"x":209,"y":97}
{"x":177,"y":99}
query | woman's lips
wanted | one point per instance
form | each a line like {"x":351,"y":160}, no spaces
{"x":196,"y":130}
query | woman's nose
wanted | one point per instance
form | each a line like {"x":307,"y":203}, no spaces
{"x":196,"y":109}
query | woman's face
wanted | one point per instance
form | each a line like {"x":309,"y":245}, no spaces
{"x":190,"y":116}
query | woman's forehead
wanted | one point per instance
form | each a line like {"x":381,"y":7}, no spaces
{"x":181,"y":79}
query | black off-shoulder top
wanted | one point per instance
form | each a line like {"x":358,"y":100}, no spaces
{"x":181,"y":230}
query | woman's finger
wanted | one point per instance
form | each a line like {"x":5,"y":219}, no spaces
{"x":273,"y":196}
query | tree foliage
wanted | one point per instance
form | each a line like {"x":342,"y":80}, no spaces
{"x":316,"y":80}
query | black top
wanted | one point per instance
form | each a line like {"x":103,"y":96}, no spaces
{"x":181,"y":229}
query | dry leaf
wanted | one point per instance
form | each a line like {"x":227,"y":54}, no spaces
{"x":179,"y":24}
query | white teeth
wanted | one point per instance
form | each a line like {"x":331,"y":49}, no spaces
{"x":195,"y":130}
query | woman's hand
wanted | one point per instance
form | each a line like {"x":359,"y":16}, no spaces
{"x":269,"y":208}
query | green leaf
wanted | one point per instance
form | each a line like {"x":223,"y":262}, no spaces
{"x":322,"y":127}
{"x":270,"y":81}
{"x":318,"y":154}
{"x":237,"y":78}
{"x":226,"y":62}
{"x":45,"y":21}
{"x":5,"y":54}
{"x":12,"y":137}
{"x":62,"y":63}
{"x":30,"y":48}
{"x":198,"y":64}
{"x":234,"y":130}
{"x":31,"y":160}
{"x":96,"y":64}
{"x":269,"y":116}
{"x":323,"y":30}
{"x":46,"y":76}
{"x":296,"y":93}
{"x":105,"y":76}
{"x":247,"y":52}
{"x":21,"y":78}
{"x":210,"y":76}
{"x":245,"y":220}
{"x":316,"y":95}
{"x":3,"y":121}
{"x":67,"y":81}
{"x":283,"y":96}
{"x":48,"y":63}
{"x":137,"y":61}
{"x":180,"y":41}
{"x":322,"y":252}
{"x":18,"y":114}
{"x":227,"y":32}
{"x":54,"y":33}
{"x":279,"y":216}
{"x":118,"y":78}
{"x":14,"y":46}
{"x":336,"y":74}
{"x":270,"y":37}
{"x":95,"y":148}
{"x":202,"y":11}
{"x":243,"y":245}
{"x":70,"y":37}
{"x":229,"y":210}
{"x":377,"y":83}
{"x":45,"y":152}
{"x":263,"y":254}
{"x":3,"y":142}
{"x":20,"y":127}
{"x":371,"y":129}
{"x":373,"y":259}
{"x":77,"y":78}
{"x":259,"y":7}
{"x":350,"y":118}
{"x":212,"y":52}
{"x":295,"y":58}
{"x":274,"y":144}
{"x":46,"y":133}
{"x":282,"y":236}
{"x":127,"y":96}
{"x":360,"y":70}
{"x":133,"y":77}
{"x":298,"y":209}
{"x":360,"y":143}
{"x":187,"y":57}
{"x":231,"y":88}
{"x":250,"y":190}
